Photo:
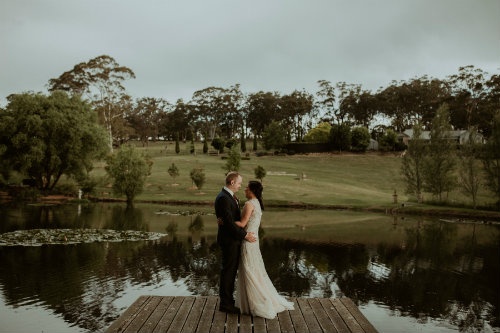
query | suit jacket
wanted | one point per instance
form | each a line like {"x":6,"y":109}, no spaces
{"x":229,"y":211}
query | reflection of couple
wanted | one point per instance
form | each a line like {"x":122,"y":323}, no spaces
{"x":238,"y":239}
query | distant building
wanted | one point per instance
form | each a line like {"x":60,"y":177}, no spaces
{"x":460,"y":136}
{"x":373,"y":144}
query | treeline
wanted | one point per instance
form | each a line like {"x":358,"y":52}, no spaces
{"x":473,"y":97}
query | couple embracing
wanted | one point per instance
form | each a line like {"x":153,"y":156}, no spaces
{"x":238,"y":238}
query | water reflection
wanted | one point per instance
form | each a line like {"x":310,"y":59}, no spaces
{"x":431,"y":270}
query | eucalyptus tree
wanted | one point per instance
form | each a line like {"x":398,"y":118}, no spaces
{"x":263,"y":108}
{"x":45,"y":137}
{"x":101,"y":80}
{"x":469,"y":83}
{"x":210,"y":108}
{"x":326,"y":99}
{"x":296,"y":113}
{"x":146,"y":117}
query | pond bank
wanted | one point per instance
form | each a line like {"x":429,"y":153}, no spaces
{"x":393,"y":209}
{"x":412,"y":209}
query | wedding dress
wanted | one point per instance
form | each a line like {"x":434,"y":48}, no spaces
{"x":255,"y":293}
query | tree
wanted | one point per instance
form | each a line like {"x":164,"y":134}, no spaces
{"x":129,"y":169}
{"x":469,"y":82}
{"x":440,"y":164}
{"x":274,"y":136}
{"x":177,"y":148}
{"x":218,"y":144}
{"x":296,"y":112}
{"x":387,"y":142}
{"x":320,"y":133}
{"x":173,"y":171}
{"x":198,"y":177}
{"x":469,"y":173}
{"x":340,"y":137}
{"x":192,"y":150}
{"x":360,"y":139}
{"x":45,"y":137}
{"x":260,"y":172}
{"x":326,"y":99}
{"x":101,"y":80}
{"x":205,"y":146}
{"x":413,"y":163}
{"x":146,"y":116}
{"x":490,"y":157}
{"x":254,"y":148}
{"x":263,"y":108}
{"x":233,"y":160}
{"x":243,"y":144}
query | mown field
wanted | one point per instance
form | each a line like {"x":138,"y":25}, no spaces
{"x":358,"y":180}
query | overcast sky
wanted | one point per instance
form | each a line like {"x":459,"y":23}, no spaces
{"x":178,"y":47}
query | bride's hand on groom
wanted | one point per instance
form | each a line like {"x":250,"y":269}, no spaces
{"x":250,"y":237}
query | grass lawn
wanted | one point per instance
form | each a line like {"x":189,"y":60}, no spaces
{"x":357,"y":180}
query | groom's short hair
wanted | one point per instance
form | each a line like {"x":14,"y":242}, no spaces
{"x":231,"y":176}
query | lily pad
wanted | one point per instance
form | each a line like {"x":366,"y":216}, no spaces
{"x":38,"y":237}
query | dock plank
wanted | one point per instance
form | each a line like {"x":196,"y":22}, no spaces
{"x":308,"y":314}
{"x":232,"y":323}
{"x":168,"y":316}
{"x":297,"y":319}
{"x":155,"y":317}
{"x":334,"y":315}
{"x":245,"y":324}
{"x":128,"y":315}
{"x":350,"y":321}
{"x":273,"y":325}
{"x":259,"y":325}
{"x":143,"y":314}
{"x":207,"y":315}
{"x":322,"y":317}
{"x":219,"y":320}
{"x":180,"y":317}
{"x":360,"y":318}
{"x":194,"y":315}
{"x":201,"y":314}
{"x":285,"y":322}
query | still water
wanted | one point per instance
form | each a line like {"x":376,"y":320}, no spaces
{"x":405,"y":274}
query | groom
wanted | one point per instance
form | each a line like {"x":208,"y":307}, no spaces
{"x":229,"y":238}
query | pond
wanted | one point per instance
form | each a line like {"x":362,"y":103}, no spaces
{"x":405,"y":274}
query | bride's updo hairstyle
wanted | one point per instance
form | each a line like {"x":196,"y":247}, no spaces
{"x":256,"y":188}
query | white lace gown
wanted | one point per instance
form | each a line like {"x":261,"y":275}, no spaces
{"x":255,"y":293}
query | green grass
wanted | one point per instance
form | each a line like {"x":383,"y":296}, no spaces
{"x":356,"y":180}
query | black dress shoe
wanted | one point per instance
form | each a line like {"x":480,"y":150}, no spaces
{"x":229,"y":309}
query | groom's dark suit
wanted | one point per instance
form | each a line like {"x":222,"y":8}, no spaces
{"x":229,"y":238}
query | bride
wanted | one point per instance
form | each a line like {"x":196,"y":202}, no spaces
{"x":255,"y":293}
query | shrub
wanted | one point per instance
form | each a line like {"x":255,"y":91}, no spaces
{"x":260,"y":172}
{"x":274,"y":136}
{"x":360,"y":139}
{"x":218,"y":144}
{"x":340,"y":137}
{"x":230,"y":143}
{"x":233,"y":160}
{"x":198,"y":177}
{"x":387,"y":141}
{"x":205,"y":147}
{"x":320,"y":133}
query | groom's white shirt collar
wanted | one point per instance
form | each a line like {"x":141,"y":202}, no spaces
{"x":230,"y":192}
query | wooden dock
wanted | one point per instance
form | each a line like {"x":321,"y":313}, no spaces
{"x":201,"y":314}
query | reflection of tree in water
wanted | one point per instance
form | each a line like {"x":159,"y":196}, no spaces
{"x":433,"y":273}
{"x":46,"y":217}
{"x":196,"y":224}
{"x":126,"y":218}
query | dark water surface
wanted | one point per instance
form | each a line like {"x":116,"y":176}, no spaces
{"x":406,"y":275}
